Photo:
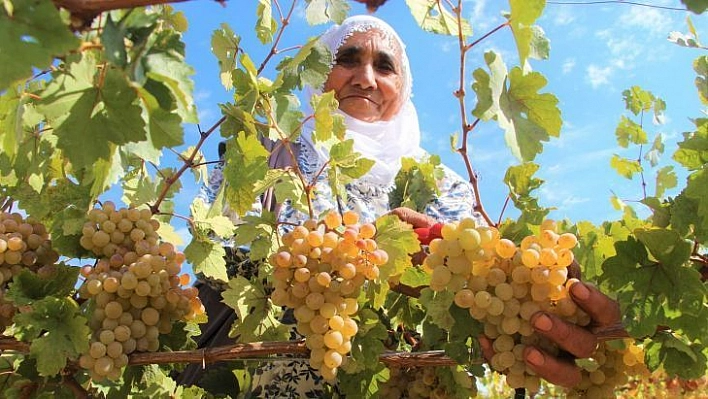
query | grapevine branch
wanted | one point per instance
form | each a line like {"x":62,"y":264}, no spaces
{"x":460,"y":95}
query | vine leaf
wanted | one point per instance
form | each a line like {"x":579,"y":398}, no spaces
{"x":265,"y":24}
{"x":433,"y":17}
{"x":665,"y":180}
{"x":700,"y":65}
{"x":629,"y":131}
{"x":34,"y":30}
{"x":437,"y":307}
{"x":367,"y":344}
{"x":323,"y":11}
{"x":697,"y":6}
{"x":207,"y":257}
{"x":625,"y":167}
{"x":28,"y":287}
{"x":225,"y":45}
{"x":11,"y":111}
{"x":530,"y":39}
{"x":526,"y":116}
{"x":521,"y":184}
{"x":256,"y":314}
{"x":56,"y":330}
{"x":246,"y":164}
{"x":399,"y":241}
{"x":78,"y":104}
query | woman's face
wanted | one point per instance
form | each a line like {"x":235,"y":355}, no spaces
{"x":367,"y":77}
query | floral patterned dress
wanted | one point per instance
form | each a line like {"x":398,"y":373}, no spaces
{"x":294,"y":378}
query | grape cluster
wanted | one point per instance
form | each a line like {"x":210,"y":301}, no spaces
{"x":422,"y":383}
{"x":318,"y":273}
{"x":109,"y":229}
{"x":503,"y":285}
{"x":608,"y":368}
{"x":24,"y":244}
{"x":136,"y":292}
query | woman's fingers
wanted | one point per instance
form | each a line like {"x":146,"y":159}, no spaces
{"x":602,"y":310}
{"x":416,"y":219}
{"x":572,"y":338}
{"x":552,"y":369}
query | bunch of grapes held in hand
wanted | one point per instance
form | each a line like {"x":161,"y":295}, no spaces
{"x":503,"y":286}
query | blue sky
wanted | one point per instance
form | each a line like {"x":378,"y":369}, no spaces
{"x":597,"y":51}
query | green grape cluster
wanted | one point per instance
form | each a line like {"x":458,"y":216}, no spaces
{"x":423,"y":383}
{"x":318,"y":273}
{"x":108,"y":229}
{"x":609,"y":367}
{"x":503,"y":285}
{"x":24,"y":244}
{"x":136,"y":294}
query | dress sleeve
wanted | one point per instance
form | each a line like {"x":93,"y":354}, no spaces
{"x":455,"y":201}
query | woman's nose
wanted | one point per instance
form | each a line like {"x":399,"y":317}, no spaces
{"x":365,"y":77}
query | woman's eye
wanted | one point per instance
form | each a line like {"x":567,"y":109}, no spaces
{"x":386,"y":67}
{"x":345,"y":60}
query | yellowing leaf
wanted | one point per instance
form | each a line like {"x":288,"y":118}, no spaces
{"x":432,"y":16}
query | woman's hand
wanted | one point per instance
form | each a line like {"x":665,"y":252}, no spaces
{"x":416,"y":219}
{"x":578,"y":341}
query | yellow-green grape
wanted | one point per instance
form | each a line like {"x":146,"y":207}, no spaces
{"x":135,"y":300}
{"x":320,"y":270}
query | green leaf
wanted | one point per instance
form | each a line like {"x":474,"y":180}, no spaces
{"x":415,"y":277}
{"x":526,"y":116}
{"x":437,"y":306}
{"x":11,"y":110}
{"x":28,"y":287}
{"x":32,"y":34}
{"x":167,"y":65}
{"x":260,"y":234}
{"x":524,"y":14}
{"x":225,"y":46}
{"x":697,"y":6}
{"x":367,"y":344}
{"x":207,"y":257}
{"x":56,"y":330}
{"x":220,"y":225}
{"x":113,"y":40}
{"x":324,"y":11}
{"x":310,"y":66}
{"x":329,"y":126}
{"x":85,"y":102}
{"x":257,"y":318}
{"x":676,"y":357}
{"x":638,"y":100}
{"x":489,"y":87}
{"x":693,"y":150}
{"x":416,"y":183}
{"x":700,"y":65}
{"x":665,"y":180}
{"x":399,"y":241}
{"x":667,"y":246}
{"x":433,"y":17}
{"x":625,"y":167}
{"x":246,"y":164}
{"x":521,"y":184}
{"x":655,"y":151}
{"x":630,"y":132}
{"x":265,"y":24}
{"x":402,"y":309}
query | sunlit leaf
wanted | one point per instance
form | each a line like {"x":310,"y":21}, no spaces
{"x":433,"y":16}
{"x":625,"y":167}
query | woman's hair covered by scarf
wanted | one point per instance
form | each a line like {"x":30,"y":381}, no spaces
{"x":384,"y":142}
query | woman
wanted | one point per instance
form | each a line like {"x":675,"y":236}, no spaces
{"x":371,"y":79}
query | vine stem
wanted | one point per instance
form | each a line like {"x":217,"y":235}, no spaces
{"x":466,"y":127}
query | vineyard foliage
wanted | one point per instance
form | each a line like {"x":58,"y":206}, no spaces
{"x":96,"y":105}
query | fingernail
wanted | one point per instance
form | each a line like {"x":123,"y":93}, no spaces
{"x":543,"y":323}
{"x":535,"y":357}
{"x":580,"y":291}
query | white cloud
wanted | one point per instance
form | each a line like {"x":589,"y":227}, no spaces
{"x":598,"y":76}
{"x":657,"y":22}
{"x":563,"y":17}
{"x":568,"y":65}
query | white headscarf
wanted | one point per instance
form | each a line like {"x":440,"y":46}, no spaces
{"x":384,"y":142}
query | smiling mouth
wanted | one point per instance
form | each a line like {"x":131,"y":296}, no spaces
{"x":357,"y":96}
